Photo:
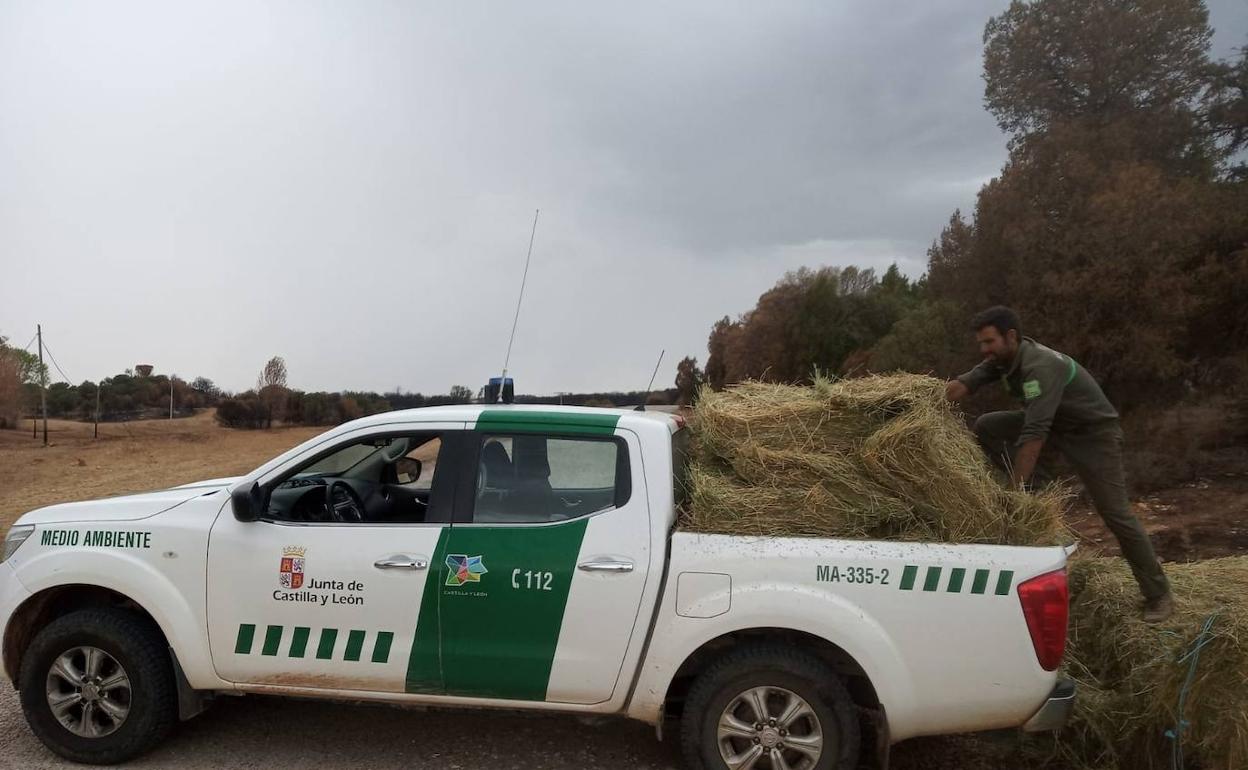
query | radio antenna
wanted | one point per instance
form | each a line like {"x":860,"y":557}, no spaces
{"x":523,"y":280}
{"x":642,"y":406}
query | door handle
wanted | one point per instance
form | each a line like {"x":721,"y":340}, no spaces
{"x":605,"y":565}
{"x":401,"y":561}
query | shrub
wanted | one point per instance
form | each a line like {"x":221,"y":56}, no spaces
{"x":243,"y":411}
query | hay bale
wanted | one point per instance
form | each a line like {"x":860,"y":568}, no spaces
{"x":880,"y":457}
{"x":783,"y":417}
{"x":1133,"y":677}
{"x":722,"y":502}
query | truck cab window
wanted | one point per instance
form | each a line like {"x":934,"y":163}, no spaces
{"x":380,"y":480}
{"x":542,"y":479}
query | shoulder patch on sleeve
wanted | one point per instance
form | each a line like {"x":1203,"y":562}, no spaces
{"x":1031,"y":389}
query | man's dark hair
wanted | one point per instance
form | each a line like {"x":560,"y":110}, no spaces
{"x":1000,"y":317}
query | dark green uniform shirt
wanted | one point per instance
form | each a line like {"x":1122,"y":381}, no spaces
{"x":1057,"y":393}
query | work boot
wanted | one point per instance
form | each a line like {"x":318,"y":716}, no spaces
{"x":1159,"y":609}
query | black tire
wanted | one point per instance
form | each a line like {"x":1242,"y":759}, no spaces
{"x":136,"y":644}
{"x":776,"y":666}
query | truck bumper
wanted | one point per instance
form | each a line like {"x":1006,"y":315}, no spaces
{"x":1055,"y":711}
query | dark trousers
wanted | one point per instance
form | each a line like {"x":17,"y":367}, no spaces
{"x":1096,"y":455}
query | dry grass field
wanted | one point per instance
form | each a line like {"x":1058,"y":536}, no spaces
{"x":128,"y":457}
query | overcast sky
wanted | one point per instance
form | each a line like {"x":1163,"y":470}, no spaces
{"x":351,"y":185}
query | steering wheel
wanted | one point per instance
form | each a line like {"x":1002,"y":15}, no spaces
{"x":344,"y":505}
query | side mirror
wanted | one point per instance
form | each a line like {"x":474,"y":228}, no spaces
{"x":248,"y":503}
{"x":407,"y":470}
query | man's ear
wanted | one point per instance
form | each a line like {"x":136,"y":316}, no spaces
{"x":1012,"y":334}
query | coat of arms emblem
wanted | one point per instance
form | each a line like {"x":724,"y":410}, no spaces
{"x":290,"y":575}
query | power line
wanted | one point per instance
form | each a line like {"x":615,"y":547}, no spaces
{"x":54,"y":363}
{"x":32,"y":341}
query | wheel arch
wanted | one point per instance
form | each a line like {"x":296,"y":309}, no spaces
{"x":171,"y":594}
{"x":57,"y":601}
{"x":872,"y":718}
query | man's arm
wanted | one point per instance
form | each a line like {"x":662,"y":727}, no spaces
{"x":1043,"y":384}
{"x":956,"y":390}
{"x":1025,"y":460}
{"x":966,"y":384}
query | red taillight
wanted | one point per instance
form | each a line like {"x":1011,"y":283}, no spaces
{"x":1046,"y":607}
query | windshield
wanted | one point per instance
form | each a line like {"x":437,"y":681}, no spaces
{"x":339,"y":462}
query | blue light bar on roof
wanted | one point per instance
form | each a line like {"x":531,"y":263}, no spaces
{"x":496,"y":384}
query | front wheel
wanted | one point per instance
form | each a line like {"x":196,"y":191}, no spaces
{"x":97,"y":686}
{"x":764,"y":707}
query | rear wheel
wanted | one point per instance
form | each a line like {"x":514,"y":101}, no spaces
{"x":766,"y":707}
{"x":97,"y":686}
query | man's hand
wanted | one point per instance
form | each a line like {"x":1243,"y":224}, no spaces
{"x":955,"y":390}
{"x":1025,"y":460}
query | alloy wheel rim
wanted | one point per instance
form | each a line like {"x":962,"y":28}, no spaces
{"x":769,"y":727}
{"x":88,"y":692}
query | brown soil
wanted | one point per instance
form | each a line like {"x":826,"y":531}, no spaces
{"x":1203,"y":519}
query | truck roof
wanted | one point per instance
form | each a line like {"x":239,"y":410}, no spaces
{"x":549,"y":412}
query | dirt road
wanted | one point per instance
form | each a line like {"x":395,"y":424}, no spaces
{"x":274,"y":733}
{"x":280,"y":733}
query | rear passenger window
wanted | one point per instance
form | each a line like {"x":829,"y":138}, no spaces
{"x":541,"y":479}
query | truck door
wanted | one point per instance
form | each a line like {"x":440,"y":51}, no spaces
{"x":325,"y":590}
{"x":541,"y":583}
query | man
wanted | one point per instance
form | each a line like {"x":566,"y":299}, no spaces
{"x":1065,"y":407}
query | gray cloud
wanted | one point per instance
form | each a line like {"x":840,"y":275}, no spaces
{"x":352,"y":185}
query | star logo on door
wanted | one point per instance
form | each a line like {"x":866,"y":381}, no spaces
{"x":462,"y":569}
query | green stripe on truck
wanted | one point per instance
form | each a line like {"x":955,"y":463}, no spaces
{"x":325,"y":649}
{"x":299,"y":641}
{"x":272,"y":640}
{"x":956,"y":576}
{"x":522,"y":421}
{"x":495,"y":637}
{"x":381,"y":647}
{"x":424,"y":661}
{"x":246,"y":638}
{"x":300,"y":635}
{"x":355,"y":643}
{"x":957,"y":582}
{"x":907,"y":577}
{"x":981,"y":581}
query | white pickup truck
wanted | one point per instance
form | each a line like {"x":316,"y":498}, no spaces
{"x":516,"y":557}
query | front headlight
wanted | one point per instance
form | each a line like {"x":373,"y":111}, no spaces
{"x":14,"y":540}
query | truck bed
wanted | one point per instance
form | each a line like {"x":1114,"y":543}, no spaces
{"x":938,"y":629}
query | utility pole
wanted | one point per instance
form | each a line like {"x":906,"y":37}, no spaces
{"x":43,"y":384}
{"x":97,"y":408}
{"x":171,"y":396}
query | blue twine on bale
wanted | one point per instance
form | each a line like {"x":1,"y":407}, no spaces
{"x":1191,"y":657}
